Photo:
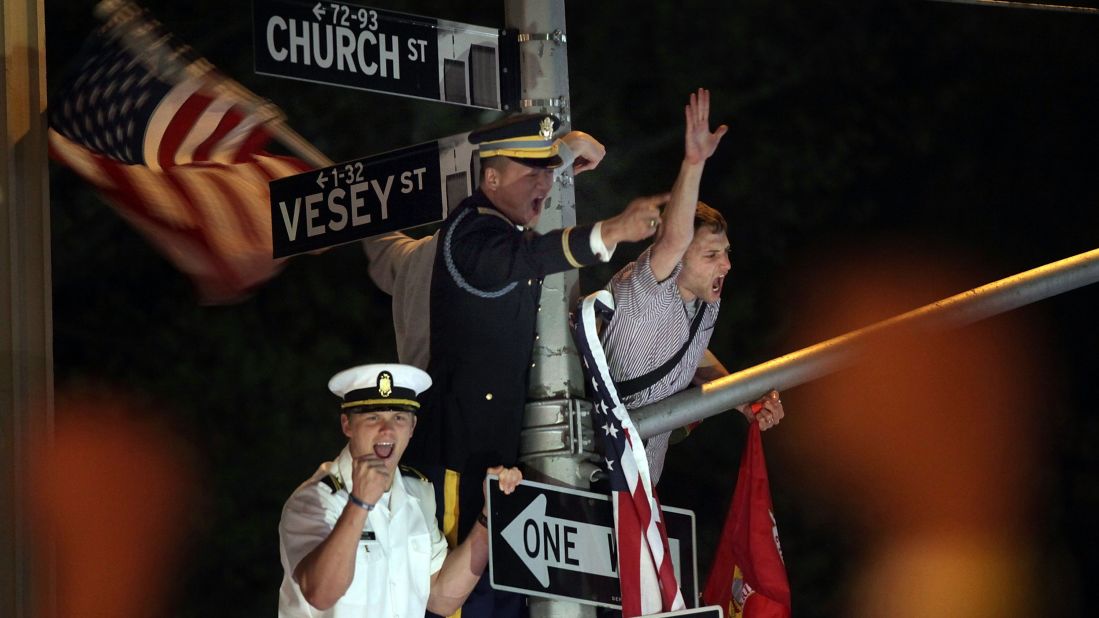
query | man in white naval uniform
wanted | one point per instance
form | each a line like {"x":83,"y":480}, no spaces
{"x":360,"y":538}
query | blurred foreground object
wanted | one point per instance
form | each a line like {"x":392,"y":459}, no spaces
{"x":181,"y":161}
{"x":928,"y":442}
{"x":116,"y":493}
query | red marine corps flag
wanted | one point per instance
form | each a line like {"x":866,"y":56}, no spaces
{"x":181,"y":163}
{"x":748,"y":577}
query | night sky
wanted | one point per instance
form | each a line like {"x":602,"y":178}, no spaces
{"x":881,"y":156}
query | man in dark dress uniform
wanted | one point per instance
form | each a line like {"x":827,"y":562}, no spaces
{"x":485,"y":290}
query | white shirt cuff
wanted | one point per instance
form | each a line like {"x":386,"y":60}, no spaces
{"x":596,"y":242}
{"x":567,"y":158}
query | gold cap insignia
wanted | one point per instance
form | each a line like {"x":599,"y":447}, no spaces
{"x":385,"y":384}
{"x":546,"y":128}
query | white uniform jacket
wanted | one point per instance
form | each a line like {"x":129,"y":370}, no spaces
{"x":401,"y":545}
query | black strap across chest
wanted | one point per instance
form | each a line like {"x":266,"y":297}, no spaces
{"x":644,"y":381}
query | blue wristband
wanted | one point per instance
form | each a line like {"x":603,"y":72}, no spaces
{"x":359,"y":503}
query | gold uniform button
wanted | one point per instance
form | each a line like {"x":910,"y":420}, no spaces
{"x":530,"y":281}
{"x":488,"y":396}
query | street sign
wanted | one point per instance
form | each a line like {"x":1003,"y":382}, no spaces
{"x":558,"y":542}
{"x":370,"y":49}
{"x":376,"y":194}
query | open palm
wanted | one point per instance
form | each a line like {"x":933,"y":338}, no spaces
{"x":700,"y":143}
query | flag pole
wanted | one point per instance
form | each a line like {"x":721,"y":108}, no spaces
{"x":837,"y":353}
{"x":147,"y":39}
{"x":1034,"y":6}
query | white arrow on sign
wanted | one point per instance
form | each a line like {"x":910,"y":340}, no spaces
{"x":321,"y":180}
{"x":542,"y":542}
{"x":318,"y":11}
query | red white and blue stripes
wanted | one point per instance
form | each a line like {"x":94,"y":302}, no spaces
{"x":645,"y":569}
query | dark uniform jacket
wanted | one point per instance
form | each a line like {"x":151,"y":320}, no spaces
{"x":485,"y":290}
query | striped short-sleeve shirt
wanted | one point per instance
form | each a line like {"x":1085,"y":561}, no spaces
{"x":651,"y":323}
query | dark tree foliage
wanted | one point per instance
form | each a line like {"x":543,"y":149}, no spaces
{"x":852,"y":123}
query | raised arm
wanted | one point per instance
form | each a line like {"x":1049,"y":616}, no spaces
{"x":678,"y":224}
{"x":325,"y":574}
{"x":584,"y":152}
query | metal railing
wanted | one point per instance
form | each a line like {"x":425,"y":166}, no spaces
{"x":834,"y":354}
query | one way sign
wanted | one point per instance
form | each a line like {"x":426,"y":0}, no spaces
{"x":559,"y":543}
{"x":542,"y":541}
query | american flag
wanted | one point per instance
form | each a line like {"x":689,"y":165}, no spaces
{"x":181,"y":164}
{"x":645,"y":570}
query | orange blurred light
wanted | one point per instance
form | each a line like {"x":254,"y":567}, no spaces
{"x":113,"y":494}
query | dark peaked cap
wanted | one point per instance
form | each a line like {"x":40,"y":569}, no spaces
{"x":526,"y":138}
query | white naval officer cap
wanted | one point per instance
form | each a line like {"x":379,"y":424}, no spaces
{"x":380,"y":386}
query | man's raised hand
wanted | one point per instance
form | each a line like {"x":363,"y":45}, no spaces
{"x":699,"y":142}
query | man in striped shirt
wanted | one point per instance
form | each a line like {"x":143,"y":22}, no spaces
{"x":667,"y":301}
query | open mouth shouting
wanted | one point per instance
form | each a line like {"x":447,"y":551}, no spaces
{"x":384,"y":449}
{"x":715,"y":286}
